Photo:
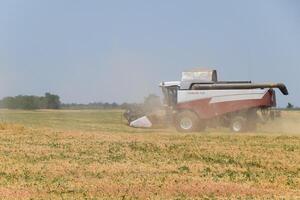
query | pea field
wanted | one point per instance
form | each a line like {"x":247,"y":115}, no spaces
{"x":93,"y":154}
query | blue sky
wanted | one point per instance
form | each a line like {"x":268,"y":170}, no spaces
{"x":93,"y":50}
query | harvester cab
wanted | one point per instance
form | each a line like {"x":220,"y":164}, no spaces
{"x":170,"y":89}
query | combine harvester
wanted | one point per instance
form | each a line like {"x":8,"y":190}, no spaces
{"x":199,"y":100}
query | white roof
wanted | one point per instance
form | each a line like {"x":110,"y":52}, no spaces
{"x":200,"y":69}
{"x":170,"y":83}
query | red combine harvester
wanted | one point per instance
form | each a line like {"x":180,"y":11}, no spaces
{"x":199,"y":100}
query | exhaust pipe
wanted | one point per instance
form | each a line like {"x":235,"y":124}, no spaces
{"x":231,"y":86}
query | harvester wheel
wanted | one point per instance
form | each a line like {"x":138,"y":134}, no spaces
{"x":187,"y":121}
{"x":238,"y":124}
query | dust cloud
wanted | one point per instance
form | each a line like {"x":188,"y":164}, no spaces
{"x":288,"y":123}
{"x":130,"y":77}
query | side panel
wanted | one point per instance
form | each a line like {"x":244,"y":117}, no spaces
{"x":211,"y":103}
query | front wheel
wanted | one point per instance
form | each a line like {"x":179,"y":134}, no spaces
{"x":238,"y":124}
{"x":187,"y":121}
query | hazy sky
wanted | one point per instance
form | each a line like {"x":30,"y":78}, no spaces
{"x":93,"y":50}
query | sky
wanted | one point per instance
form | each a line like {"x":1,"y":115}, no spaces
{"x":119,"y":51}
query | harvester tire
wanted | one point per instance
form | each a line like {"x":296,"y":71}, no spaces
{"x":238,"y":124}
{"x":187,"y":121}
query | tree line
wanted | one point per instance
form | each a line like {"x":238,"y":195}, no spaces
{"x":25,"y":102}
{"x":290,"y":106}
{"x":149,"y":103}
{"x":51,"y":101}
{"x":98,"y":105}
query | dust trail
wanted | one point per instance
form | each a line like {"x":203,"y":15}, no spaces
{"x":288,"y":123}
{"x":130,"y":77}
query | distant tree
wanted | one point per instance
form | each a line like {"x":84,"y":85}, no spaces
{"x":106,"y":106}
{"x":114,"y":105}
{"x":52,"y":101}
{"x":94,"y":105}
{"x":125,"y":106}
{"x":42,"y":103}
{"x":27,"y":102}
{"x":8,"y":102}
{"x":290,"y":106}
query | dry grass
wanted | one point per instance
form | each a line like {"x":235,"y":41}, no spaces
{"x":112,"y":161}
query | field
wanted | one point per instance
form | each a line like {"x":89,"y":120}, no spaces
{"x":94,"y":155}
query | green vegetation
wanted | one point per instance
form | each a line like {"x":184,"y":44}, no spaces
{"x":49,"y":101}
{"x":290,"y":106}
{"x":94,"y":155}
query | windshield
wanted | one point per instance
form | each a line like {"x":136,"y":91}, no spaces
{"x":170,"y":95}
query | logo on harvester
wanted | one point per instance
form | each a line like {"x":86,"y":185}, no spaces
{"x":196,"y":92}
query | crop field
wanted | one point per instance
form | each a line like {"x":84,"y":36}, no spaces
{"x":71,"y":154}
